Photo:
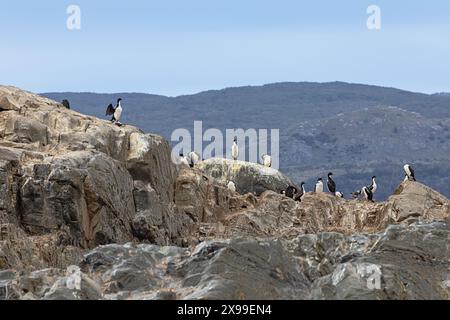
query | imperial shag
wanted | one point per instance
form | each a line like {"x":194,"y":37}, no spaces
{"x":115,"y":112}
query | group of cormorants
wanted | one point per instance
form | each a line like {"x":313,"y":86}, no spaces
{"x":366,"y":192}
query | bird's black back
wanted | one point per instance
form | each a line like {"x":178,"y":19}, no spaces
{"x":66,"y":103}
{"x":331,"y":185}
{"x":291,"y":191}
{"x":110,"y":111}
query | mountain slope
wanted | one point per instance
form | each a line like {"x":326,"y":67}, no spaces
{"x":351,"y":129}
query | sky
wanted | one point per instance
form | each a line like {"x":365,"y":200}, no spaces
{"x":176,"y":47}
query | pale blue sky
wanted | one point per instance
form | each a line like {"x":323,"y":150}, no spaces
{"x":177,"y":47}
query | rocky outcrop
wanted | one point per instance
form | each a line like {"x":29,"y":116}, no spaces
{"x":80,"y":179}
{"x":414,"y":200}
{"x":248,"y":177}
{"x":90,"y":210}
{"x":404,"y":262}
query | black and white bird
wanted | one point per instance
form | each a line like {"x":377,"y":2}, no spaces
{"x":183,"y":160}
{"x":231,"y":186}
{"x":339,"y":194}
{"x":368,"y":195}
{"x":194,"y":159}
{"x":356,"y":194}
{"x":66,"y":104}
{"x":267,"y":160}
{"x":235,"y":149}
{"x":319,"y":186}
{"x":290,"y":192}
{"x":409,"y":172}
{"x":373,"y":187}
{"x":299,"y":196}
{"x":115,"y":112}
{"x":331,"y":184}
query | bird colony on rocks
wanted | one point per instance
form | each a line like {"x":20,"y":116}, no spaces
{"x":93,"y":209}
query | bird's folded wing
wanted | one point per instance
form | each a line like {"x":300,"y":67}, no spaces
{"x":110,"y":111}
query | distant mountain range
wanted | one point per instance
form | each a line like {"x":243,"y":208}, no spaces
{"x":354,"y":130}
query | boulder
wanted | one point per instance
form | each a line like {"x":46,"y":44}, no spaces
{"x":414,"y":200}
{"x":248,"y":177}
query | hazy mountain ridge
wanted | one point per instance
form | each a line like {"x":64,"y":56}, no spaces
{"x":346,"y":128}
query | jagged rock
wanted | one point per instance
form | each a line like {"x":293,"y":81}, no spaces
{"x":248,"y":177}
{"x":413,"y":200}
{"x":84,"y":193}
{"x":404,"y":262}
{"x":72,"y":176}
{"x":206,"y":199}
{"x":149,"y":160}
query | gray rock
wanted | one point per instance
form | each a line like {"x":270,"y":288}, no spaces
{"x":69,"y":180}
{"x":248,"y":177}
{"x":413,"y":199}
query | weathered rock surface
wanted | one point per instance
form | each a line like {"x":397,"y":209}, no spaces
{"x":89,"y":210}
{"x":404,"y":262}
{"x":274,"y":215}
{"x":413,"y":200}
{"x":79,"y":179}
{"x":248,"y":177}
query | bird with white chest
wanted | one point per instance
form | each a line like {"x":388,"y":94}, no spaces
{"x":115,"y":112}
{"x":374,"y":186}
{"x":231,"y":186}
{"x":367,"y":193}
{"x":235,"y":149}
{"x":194,"y":159}
{"x":183,"y":160}
{"x":319,"y":186}
{"x":267,"y":160}
{"x":410,"y":174}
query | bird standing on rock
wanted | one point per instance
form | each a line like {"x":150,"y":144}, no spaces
{"x":290,"y":192}
{"x":184,"y":160}
{"x":267,"y":160}
{"x":368,"y":195}
{"x":231,"y":186}
{"x":339,"y":194}
{"x":331,"y":184}
{"x":319,"y":186}
{"x":373,"y":187}
{"x":115,"y":112}
{"x":235,"y":149}
{"x":356,"y":194}
{"x":409,"y":172}
{"x":299,"y":196}
{"x":194,"y":159}
{"x":66,"y":104}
